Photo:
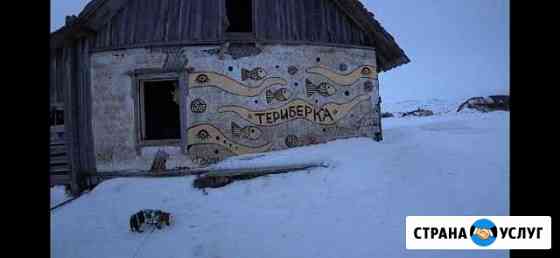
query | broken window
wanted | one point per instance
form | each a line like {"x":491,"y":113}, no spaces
{"x":56,"y":116}
{"x":160,"y":110}
{"x":239,"y":15}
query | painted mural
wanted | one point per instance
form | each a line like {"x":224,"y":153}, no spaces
{"x":282,"y":94}
{"x":209,"y":134}
{"x":324,"y":89}
{"x":241,"y":101}
{"x":223,"y":82}
{"x":251,"y":107}
{"x":255,"y":74}
{"x":297,"y":109}
{"x":349,"y":79}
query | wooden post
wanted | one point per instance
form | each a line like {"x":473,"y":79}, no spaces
{"x":69,"y":121}
{"x":77,"y":111}
{"x":379,"y":136}
{"x":183,"y":91}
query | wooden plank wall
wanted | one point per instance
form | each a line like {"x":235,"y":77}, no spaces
{"x":59,"y":168}
{"x":56,"y":88}
{"x":309,"y":20}
{"x":83,"y":121}
{"x":147,"y":21}
{"x":75,"y":80}
{"x":67,"y":70}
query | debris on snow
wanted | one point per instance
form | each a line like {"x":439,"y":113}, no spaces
{"x":488,"y":104}
{"x":419,"y":112}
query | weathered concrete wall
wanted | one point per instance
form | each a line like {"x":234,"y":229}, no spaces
{"x":247,"y":100}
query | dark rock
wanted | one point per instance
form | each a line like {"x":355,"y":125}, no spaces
{"x":212,"y":181}
{"x":418,"y":112}
{"x":488,"y":104}
{"x":387,"y":114}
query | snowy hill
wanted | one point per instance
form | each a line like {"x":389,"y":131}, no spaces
{"x":438,"y":106}
{"x":447,"y":164}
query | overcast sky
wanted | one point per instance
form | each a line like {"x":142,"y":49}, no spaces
{"x":458,"y":48}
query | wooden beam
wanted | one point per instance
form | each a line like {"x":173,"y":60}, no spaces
{"x":60,"y":179}
{"x":58,"y":151}
{"x":160,"y":44}
{"x":59,"y":169}
{"x":220,"y":42}
{"x":222,"y":178}
{"x":69,"y":107}
{"x":209,"y":171}
{"x":263,"y":170}
{"x":58,"y":159}
{"x":63,"y":203}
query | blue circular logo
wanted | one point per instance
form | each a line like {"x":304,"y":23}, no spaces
{"x":483,"y":232}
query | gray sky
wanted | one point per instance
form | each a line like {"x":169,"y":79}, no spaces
{"x":458,"y":48}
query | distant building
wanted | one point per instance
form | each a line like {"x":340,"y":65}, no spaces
{"x":209,"y":79}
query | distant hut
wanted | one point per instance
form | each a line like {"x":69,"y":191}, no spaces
{"x":208,"y":79}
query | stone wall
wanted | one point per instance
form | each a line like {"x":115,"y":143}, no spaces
{"x":239,"y":100}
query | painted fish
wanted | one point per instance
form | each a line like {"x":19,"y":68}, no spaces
{"x":255,"y":74}
{"x":247,"y":132}
{"x":280,"y":95}
{"x":323,"y":89}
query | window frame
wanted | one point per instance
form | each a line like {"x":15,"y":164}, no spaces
{"x":139,"y":78}
{"x":242,"y":37}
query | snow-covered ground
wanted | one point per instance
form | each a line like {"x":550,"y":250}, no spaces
{"x":447,"y":164}
{"x":58,"y":195}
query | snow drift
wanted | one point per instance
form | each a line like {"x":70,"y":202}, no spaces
{"x":446,"y":164}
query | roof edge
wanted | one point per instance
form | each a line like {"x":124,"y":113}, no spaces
{"x":391,"y":55}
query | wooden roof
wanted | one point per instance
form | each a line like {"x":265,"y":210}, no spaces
{"x":98,"y":12}
{"x":389,"y":53}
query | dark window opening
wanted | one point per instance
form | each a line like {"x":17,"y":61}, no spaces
{"x":161,"y":110}
{"x":56,"y":117}
{"x":239,"y":15}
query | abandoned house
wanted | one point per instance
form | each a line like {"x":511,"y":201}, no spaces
{"x":204,"y":80}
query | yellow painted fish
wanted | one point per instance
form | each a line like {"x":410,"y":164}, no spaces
{"x":247,"y":132}
{"x":280,"y":95}
{"x":255,"y":74}
{"x":323,"y":89}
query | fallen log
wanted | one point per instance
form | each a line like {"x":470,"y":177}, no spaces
{"x":177,"y":172}
{"x":220,"y":178}
{"x":64,"y":203}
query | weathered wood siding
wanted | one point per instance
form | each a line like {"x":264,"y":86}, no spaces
{"x":148,"y":21}
{"x":56,"y":87}
{"x":308,"y":20}
{"x":71,"y":78}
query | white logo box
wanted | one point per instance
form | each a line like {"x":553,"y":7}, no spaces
{"x":520,"y":227}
